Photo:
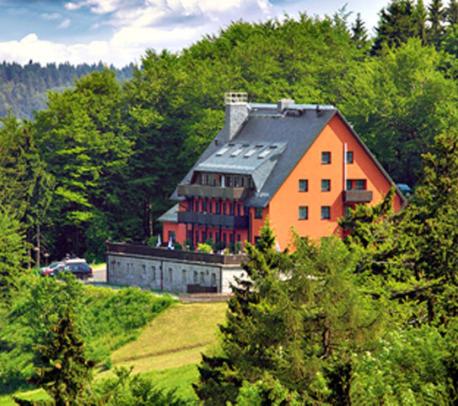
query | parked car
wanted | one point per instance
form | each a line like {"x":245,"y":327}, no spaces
{"x":49,"y":270}
{"x":77,"y":266}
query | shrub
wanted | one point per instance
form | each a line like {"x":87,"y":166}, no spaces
{"x":204,"y":247}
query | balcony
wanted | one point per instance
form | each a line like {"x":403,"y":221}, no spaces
{"x":357,"y":196}
{"x":213,"y":220}
{"x":218,"y":192}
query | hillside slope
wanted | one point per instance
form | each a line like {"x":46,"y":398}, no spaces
{"x":174,"y":339}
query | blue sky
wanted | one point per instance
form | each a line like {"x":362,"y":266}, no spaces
{"x":119,"y":31}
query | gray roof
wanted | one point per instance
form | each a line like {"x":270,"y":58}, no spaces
{"x":256,"y":160}
{"x":170,"y":215}
{"x":292,"y":131}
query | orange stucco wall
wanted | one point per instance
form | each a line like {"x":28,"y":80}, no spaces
{"x":283,"y":209}
{"x":256,"y":224}
{"x":179,"y":229}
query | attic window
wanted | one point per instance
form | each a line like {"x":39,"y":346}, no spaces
{"x":236,"y":152}
{"x":222,"y":151}
{"x":264,"y":153}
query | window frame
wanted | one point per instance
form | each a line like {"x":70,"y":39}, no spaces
{"x":352,"y":155}
{"x":303,"y":182}
{"x":328,"y":216}
{"x":323,"y":161}
{"x":306,"y":217}
{"x":328,"y":182}
{"x":362,"y":182}
{"x":258,"y":210}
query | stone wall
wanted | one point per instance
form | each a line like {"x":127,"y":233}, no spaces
{"x":168,"y":274}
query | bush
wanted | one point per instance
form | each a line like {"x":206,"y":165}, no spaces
{"x":204,"y":247}
{"x":152,"y":241}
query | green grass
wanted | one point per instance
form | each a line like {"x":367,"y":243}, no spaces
{"x":112,"y":318}
{"x":175,"y":338}
{"x":116,"y":317}
{"x":178,"y":379}
{"x":32,"y":395}
{"x":167,"y":350}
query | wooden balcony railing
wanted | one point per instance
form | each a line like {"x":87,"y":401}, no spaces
{"x":218,"y":192}
{"x":357,"y":196}
{"x":215,"y":220}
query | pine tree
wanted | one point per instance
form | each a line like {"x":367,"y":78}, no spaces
{"x":431,"y":224}
{"x":60,"y":363}
{"x":293,"y":332}
{"x":436,"y":18}
{"x":396,"y":25}
{"x":220,"y":376}
{"x":359,"y":32}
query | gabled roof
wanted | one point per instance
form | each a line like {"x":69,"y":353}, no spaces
{"x":293,"y":131}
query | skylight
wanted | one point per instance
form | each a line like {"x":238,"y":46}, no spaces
{"x":250,"y":153}
{"x":222,"y":151}
{"x":264,"y":153}
{"x":236,"y":152}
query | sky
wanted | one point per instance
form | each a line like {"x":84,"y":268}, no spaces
{"x":119,"y":31}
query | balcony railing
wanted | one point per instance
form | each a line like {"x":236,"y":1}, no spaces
{"x":212,"y":191}
{"x":357,"y":196}
{"x":144,"y":250}
{"x":214,"y":220}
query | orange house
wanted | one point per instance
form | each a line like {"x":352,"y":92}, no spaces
{"x":299,"y":165}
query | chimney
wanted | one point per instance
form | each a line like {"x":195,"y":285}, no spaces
{"x":284,"y":104}
{"x":236,"y":114}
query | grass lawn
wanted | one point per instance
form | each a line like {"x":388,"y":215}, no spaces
{"x":175,"y":338}
{"x":167,"y":350}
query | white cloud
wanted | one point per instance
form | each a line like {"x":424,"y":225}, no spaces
{"x":96,"y":6}
{"x":64,"y":23}
{"x":154,"y":24}
{"x":51,"y":16}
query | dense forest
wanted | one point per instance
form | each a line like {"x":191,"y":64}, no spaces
{"x":368,"y":320}
{"x":23,"y":89}
{"x":102,"y":160}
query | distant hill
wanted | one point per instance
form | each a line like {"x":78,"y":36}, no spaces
{"x":23,"y":89}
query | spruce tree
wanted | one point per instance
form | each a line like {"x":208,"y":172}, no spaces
{"x":420,"y":15}
{"x":359,"y":32}
{"x":431,"y":223}
{"x":60,"y":363}
{"x":396,"y":25}
{"x":220,"y":376}
{"x":436,"y":18}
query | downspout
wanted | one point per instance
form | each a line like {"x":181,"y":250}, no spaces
{"x":345,"y":167}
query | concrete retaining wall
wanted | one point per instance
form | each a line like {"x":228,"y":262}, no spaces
{"x":168,"y":274}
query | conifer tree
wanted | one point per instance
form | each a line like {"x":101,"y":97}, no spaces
{"x":431,"y":224}
{"x":292,"y":332}
{"x":420,"y":15}
{"x":60,"y":363}
{"x":359,"y":32}
{"x":436,"y":18}
{"x":396,"y":25}
{"x":220,"y":379}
